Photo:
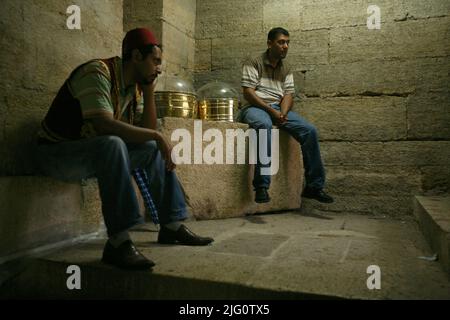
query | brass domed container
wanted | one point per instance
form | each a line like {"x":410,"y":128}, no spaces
{"x":217,"y":101}
{"x":175,"y":97}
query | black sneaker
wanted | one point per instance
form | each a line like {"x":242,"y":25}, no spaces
{"x":126,"y":256}
{"x":318,"y":195}
{"x":261,"y":195}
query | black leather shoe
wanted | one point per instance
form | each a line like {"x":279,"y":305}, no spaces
{"x":318,"y":195}
{"x":261,"y":195}
{"x":182,"y":236}
{"x":126,"y":256}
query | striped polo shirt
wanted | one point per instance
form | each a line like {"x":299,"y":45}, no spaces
{"x":270,"y":84}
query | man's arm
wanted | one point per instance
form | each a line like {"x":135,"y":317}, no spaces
{"x":149,"y":113}
{"x":249,"y":81}
{"x":287,"y":101}
{"x":286,"y":104}
{"x":107,"y":125}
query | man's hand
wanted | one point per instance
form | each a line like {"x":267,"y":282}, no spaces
{"x":284,"y":118}
{"x":277,"y":117}
{"x":149,"y":115}
{"x":148,"y":88}
{"x":166,"y":151}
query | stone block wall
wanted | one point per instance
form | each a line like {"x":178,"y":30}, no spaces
{"x":37,"y":211}
{"x":143,"y":14}
{"x":173,"y":22}
{"x":38,"y":52}
{"x":380,"y":98}
{"x":178,"y":37}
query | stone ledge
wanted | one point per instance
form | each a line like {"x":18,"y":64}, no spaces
{"x":376,"y":206}
{"x":433,"y":214}
{"x":223,"y":191}
{"x":36,"y":211}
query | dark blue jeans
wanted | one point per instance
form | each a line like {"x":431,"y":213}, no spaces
{"x":111,"y":160}
{"x":302,"y":131}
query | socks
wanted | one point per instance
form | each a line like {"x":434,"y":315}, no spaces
{"x":119,"y":238}
{"x":174,"y":226}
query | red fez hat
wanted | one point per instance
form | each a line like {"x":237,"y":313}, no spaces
{"x":138,"y":38}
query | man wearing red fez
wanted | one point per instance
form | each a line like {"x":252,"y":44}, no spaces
{"x":95,"y":127}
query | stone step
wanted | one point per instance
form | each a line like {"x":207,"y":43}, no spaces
{"x":370,"y":190}
{"x":37,"y":211}
{"x":433,"y":213}
{"x":373,"y":181}
{"x":272,"y":256}
{"x":371,"y":205}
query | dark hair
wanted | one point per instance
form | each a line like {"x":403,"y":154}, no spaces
{"x":145,"y":51}
{"x":275,"y":31}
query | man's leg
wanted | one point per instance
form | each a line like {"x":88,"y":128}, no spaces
{"x":306,"y":134}
{"x":105,"y":157}
{"x":167,"y":194}
{"x":165,"y":188}
{"x":258,"y":119}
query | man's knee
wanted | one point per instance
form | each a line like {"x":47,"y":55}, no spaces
{"x":111,"y":145}
{"x":150,"y":148}
{"x":304,"y":132}
{"x":143,"y":154}
{"x":112,"y":142}
{"x":150,"y":145}
{"x":262,"y":124}
{"x":257,"y":119}
{"x":312,"y":130}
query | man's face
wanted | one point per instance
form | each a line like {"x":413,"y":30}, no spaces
{"x":279,"y":47}
{"x":149,"y":68}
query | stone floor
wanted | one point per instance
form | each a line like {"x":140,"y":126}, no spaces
{"x":274,"y":256}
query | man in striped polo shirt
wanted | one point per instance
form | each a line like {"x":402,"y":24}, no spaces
{"x":268,"y":87}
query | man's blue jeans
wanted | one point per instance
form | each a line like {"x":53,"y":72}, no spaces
{"x":302,"y":131}
{"x":111,"y":161}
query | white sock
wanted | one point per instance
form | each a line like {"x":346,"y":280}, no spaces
{"x":117,"y":239}
{"x":174,"y":226}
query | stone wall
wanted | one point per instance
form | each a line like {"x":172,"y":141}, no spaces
{"x":143,"y":14}
{"x":380,"y":98}
{"x":37,"y":211}
{"x":173,"y":22}
{"x":38,"y":52}
{"x":178,"y":37}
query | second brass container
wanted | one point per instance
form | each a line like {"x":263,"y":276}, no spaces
{"x":217,"y":101}
{"x":176,"y":104}
{"x":218,"y":109}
